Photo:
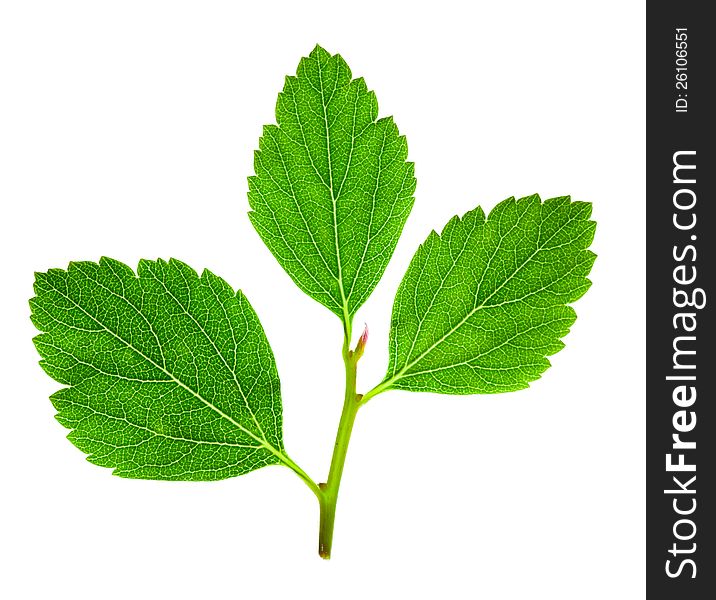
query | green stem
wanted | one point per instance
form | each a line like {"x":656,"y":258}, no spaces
{"x":329,"y":495}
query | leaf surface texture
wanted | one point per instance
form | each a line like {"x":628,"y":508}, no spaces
{"x":484,"y":303}
{"x":332,"y":188}
{"x":169,"y":374}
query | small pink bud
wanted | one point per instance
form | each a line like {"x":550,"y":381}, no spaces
{"x":362,"y":341}
{"x":364,"y":337}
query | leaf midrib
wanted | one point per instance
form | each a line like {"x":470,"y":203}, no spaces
{"x":334,"y":200}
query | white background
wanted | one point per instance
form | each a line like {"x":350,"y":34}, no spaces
{"x":127,"y":129}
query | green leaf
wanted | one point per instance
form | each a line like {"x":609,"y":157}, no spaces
{"x":170,"y":374}
{"x":484,"y":303}
{"x":332,"y":188}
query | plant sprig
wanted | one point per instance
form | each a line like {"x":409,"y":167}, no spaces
{"x":169,"y":374}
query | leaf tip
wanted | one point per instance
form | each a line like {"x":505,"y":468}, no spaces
{"x":319,"y":54}
{"x":319,"y":50}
